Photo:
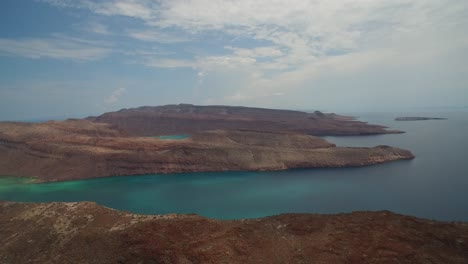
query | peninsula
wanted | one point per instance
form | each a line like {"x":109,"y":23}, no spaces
{"x":88,"y":233}
{"x":80,"y":149}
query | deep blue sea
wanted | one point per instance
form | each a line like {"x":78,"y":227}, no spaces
{"x":433,"y":185}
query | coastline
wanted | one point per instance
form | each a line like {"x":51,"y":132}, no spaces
{"x":37,"y":180}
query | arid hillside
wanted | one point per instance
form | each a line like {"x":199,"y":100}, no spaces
{"x":88,"y":233}
{"x":79,"y":149}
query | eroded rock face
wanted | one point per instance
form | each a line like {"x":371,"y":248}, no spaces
{"x":87,"y":233}
{"x":79,"y":149}
{"x":187,"y":119}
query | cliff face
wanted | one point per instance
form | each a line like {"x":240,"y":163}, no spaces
{"x":78,"y":149}
{"x":88,"y":233}
{"x":188,"y":119}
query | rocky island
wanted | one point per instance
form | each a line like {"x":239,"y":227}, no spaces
{"x":88,"y":233}
{"x":221,"y":139}
{"x":188,"y":119}
{"x":417,"y":118}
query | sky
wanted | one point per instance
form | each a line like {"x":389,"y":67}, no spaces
{"x":76,"y":58}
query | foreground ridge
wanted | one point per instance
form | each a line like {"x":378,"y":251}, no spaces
{"x":88,"y":233}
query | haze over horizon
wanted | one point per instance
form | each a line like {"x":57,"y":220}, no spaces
{"x":83,"y":57}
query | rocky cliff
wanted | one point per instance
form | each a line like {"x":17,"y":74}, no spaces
{"x":88,"y":233}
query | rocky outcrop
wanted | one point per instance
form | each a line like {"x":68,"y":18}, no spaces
{"x":87,"y":233}
{"x":79,"y":149}
{"x":188,"y":119}
{"x":417,"y":118}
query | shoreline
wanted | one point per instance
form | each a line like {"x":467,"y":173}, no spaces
{"x":38,"y":180}
{"x":35,"y":180}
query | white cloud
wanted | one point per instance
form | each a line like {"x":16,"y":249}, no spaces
{"x":298,"y":43}
{"x":300,"y":30}
{"x":98,"y":28}
{"x":142,"y":9}
{"x":256,"y":52}
{"x":55,"y":48}
{"x":156,"y":36}
{"x":169,"y":63}
{"x":115,"y":96}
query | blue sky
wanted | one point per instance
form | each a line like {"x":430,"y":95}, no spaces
{"x":82,"y":57}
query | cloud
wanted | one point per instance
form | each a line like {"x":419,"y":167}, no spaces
{"x":169,"y":63}
{"x":258,"y":52}
{"x":298,"y":45}
{"x":156,"y":36}
{"x":98,"y":28}
{"x":55,"y":48}
{"x":115,"y":96}
{"x":142,"y":9}
{"x":300,"y":31}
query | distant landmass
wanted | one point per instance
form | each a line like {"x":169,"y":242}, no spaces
{"x":87,"y":233}
{"x":417,"y":118}
{"x":221,"y":138}
{"x":188,"y":119}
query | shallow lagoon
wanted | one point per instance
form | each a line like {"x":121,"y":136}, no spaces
{"x":434,"y":185}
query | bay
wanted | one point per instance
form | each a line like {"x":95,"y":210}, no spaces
{"x":434,"y":185}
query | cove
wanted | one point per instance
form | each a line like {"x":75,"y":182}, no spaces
{"x":433,"y":185}
{"x":173,"y":137}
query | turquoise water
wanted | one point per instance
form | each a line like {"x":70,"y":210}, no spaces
{"x":434,"y":185}
{"x":173,"y":137}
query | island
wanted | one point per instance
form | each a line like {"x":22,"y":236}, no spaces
{"x":219,"y":138}
{"x":188,"y":119}
{"x":88,"y":233}
{"x":417,"y":118}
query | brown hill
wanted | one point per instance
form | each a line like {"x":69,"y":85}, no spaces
{"x":78,"y":149}
{"x":188,"y":119}
{"x":88,"y":233}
